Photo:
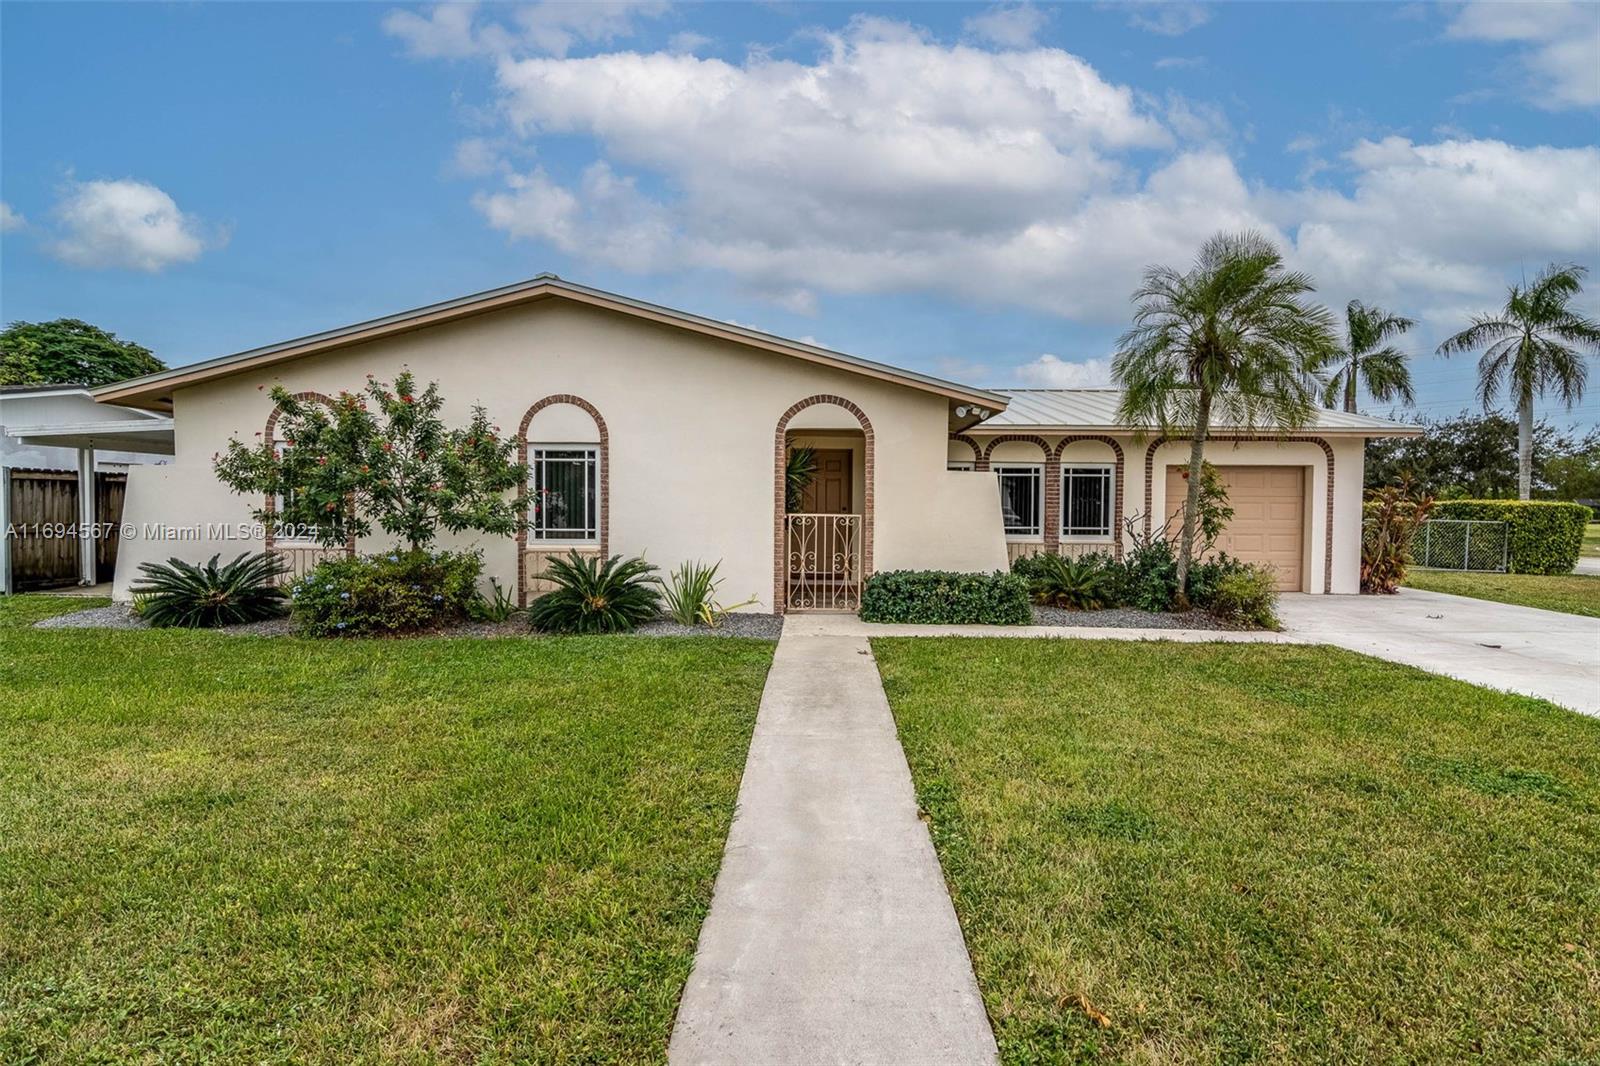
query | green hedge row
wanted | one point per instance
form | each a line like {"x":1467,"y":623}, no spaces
{"x":941,"y":597}
{"x":1545,"y":536}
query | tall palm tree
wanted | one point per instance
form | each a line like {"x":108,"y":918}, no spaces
{"x":1233,"y":338}
{"x":1537,"y":343}
{"x":1362,"y":362}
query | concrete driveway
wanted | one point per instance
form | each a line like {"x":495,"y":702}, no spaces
{"x":1516,"y":649}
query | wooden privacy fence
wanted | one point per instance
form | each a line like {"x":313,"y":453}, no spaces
{"x":44,"y":526}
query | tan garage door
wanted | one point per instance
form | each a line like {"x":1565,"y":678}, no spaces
{"x":1268,"y":524}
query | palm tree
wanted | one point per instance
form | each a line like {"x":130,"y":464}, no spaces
{"x":1382,"y":370}
{"x":1538,"y":343}
{"x":1232,"y":338}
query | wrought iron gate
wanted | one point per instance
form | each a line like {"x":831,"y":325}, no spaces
{"x":824,"y":561}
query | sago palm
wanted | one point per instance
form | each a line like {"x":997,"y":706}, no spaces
{"x":1535,"y":345}
{"x":1366,"y":360}
{"x":1234,"y":338}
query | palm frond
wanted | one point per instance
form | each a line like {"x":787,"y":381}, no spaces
{"x":179,"y":593}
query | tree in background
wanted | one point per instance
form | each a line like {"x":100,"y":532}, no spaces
{"x":1536,"y":344}
{"x":1232,"y":337}
{"x":69,"y":352}
{"x":1474,"y":456}
{"x":394,"y":463}
{"x":1366,"y":360}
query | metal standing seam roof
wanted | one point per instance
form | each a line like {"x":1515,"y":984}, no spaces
{"x":1097,"y":409}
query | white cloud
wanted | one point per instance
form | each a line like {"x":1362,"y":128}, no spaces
{"x":476,"y":157}
{"x":1009,"y":26}
{"x":10,"y":220}
{"x":1560,"y":45}
{"x":551,"y":27}
{"x":124,"y":223}
{"x":1170,"y":18}
{"x":892,"y":162}
{"x":1051,"y":372}
{"x":687,"y":41}
{"x":1180,"y":62}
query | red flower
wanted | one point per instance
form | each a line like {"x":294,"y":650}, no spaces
{"x":405,"y":399}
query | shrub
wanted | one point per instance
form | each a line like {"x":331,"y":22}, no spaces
{"x":596,"y":596}
{"x":176,"y":593}
{"x":395,"y":592}
{"x":942,"y":597}
{"x":1544,"y":536}
{"x":1247,"y":595}
{"x":1084,"y":583}
{"x":1391,"y":518}
{"x":1150,"y":578}
{"x":1206,"y":574}
{"x":690,"y":593}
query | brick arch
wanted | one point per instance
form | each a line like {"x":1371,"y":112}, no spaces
{"x":269,"y":540}
{"x":605,"y":480}
{"x":1327,"y":546}
{"x":1050,"y":521}
{"x":1118,"y":488}
{"x":780,"y":585}
{"x":977,"y":449}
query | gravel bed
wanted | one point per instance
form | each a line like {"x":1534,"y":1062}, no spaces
{"x":1125,"y":618}
{"x":739,"y":624}
{"x":114,"y":616}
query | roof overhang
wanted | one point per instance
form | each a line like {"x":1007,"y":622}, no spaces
{"x":147,"y":436}
{"x":154,"y":391}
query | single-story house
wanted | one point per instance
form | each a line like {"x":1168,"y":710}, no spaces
{"x":62,"y":457}
{"x":657,"y":432}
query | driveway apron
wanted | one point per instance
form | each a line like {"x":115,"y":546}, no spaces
{"x":831,"y":937}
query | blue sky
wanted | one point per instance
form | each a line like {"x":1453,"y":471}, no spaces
{"x":968,"y":190}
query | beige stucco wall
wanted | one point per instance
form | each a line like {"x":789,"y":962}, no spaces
{"x":690,"y":421}
{"x":1348,"y":476}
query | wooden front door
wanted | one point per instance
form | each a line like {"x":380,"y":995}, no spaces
{"x":830,"y":491}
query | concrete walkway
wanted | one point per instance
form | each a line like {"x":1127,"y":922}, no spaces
{"x":831,"y":936}
{"x":1588,"y":564}
{"x":1515,"y":649}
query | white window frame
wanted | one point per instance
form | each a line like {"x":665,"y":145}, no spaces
{"x":591,"y":532}
{"x":291,"y":541}
{"x":957,"y":464}
{"x":1105,"y":471}
{"x":1036,"y":471}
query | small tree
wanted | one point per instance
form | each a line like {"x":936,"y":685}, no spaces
{"x":69,"y":352}
{"x":1366,"y":360}
{"x":1234,"y":337}
{"x":382,"y":456}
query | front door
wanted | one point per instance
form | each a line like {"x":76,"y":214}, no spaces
{"x":830,"y":491}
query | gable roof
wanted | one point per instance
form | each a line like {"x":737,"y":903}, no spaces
{"x":1096,"y":409}
{"x":154,"y":391}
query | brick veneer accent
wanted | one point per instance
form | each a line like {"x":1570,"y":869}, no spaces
{"x":605,"y":482}
{"x":272,"y":504}
{"x":1118,"y":493}
{"x":780,"y":583}
{"x":1327,"y":551}
{"x":978,"y":462}
{"x":1052,"y":483}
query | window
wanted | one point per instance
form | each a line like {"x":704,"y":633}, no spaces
{"x":955,"y":464}
{"x":1086,"y":501}
{"x":566,"y":492}
{"x":288,"y":530}
{"x":1020,"y":499}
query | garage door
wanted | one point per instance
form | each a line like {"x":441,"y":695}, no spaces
{"x":1268,"y":524}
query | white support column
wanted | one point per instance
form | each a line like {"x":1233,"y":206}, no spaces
{"x":5,"y":530}
{"x":86,"y":515}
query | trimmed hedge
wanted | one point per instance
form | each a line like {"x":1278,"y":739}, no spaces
{"x":1545,"y":536}
{"x":940,"y":597}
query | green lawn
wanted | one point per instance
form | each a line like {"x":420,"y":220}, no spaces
{"x":1591,"y":539}
{"x":1249,"y":852}
{"x":236,"y":849}
{"x":1568,"y":593}
{"x":27,"y":609}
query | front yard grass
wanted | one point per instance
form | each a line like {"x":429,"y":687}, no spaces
{"x":1591,"y":539}
{"x":1200,"y":853}
{"x":234,"y":849}
{"x":1567,"y":593}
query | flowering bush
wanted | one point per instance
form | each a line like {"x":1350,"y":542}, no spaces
{"x":384,"y":457}
{"x":388,"y":593}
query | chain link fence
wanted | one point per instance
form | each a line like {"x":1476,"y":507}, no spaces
{"x":1462,"y":544}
